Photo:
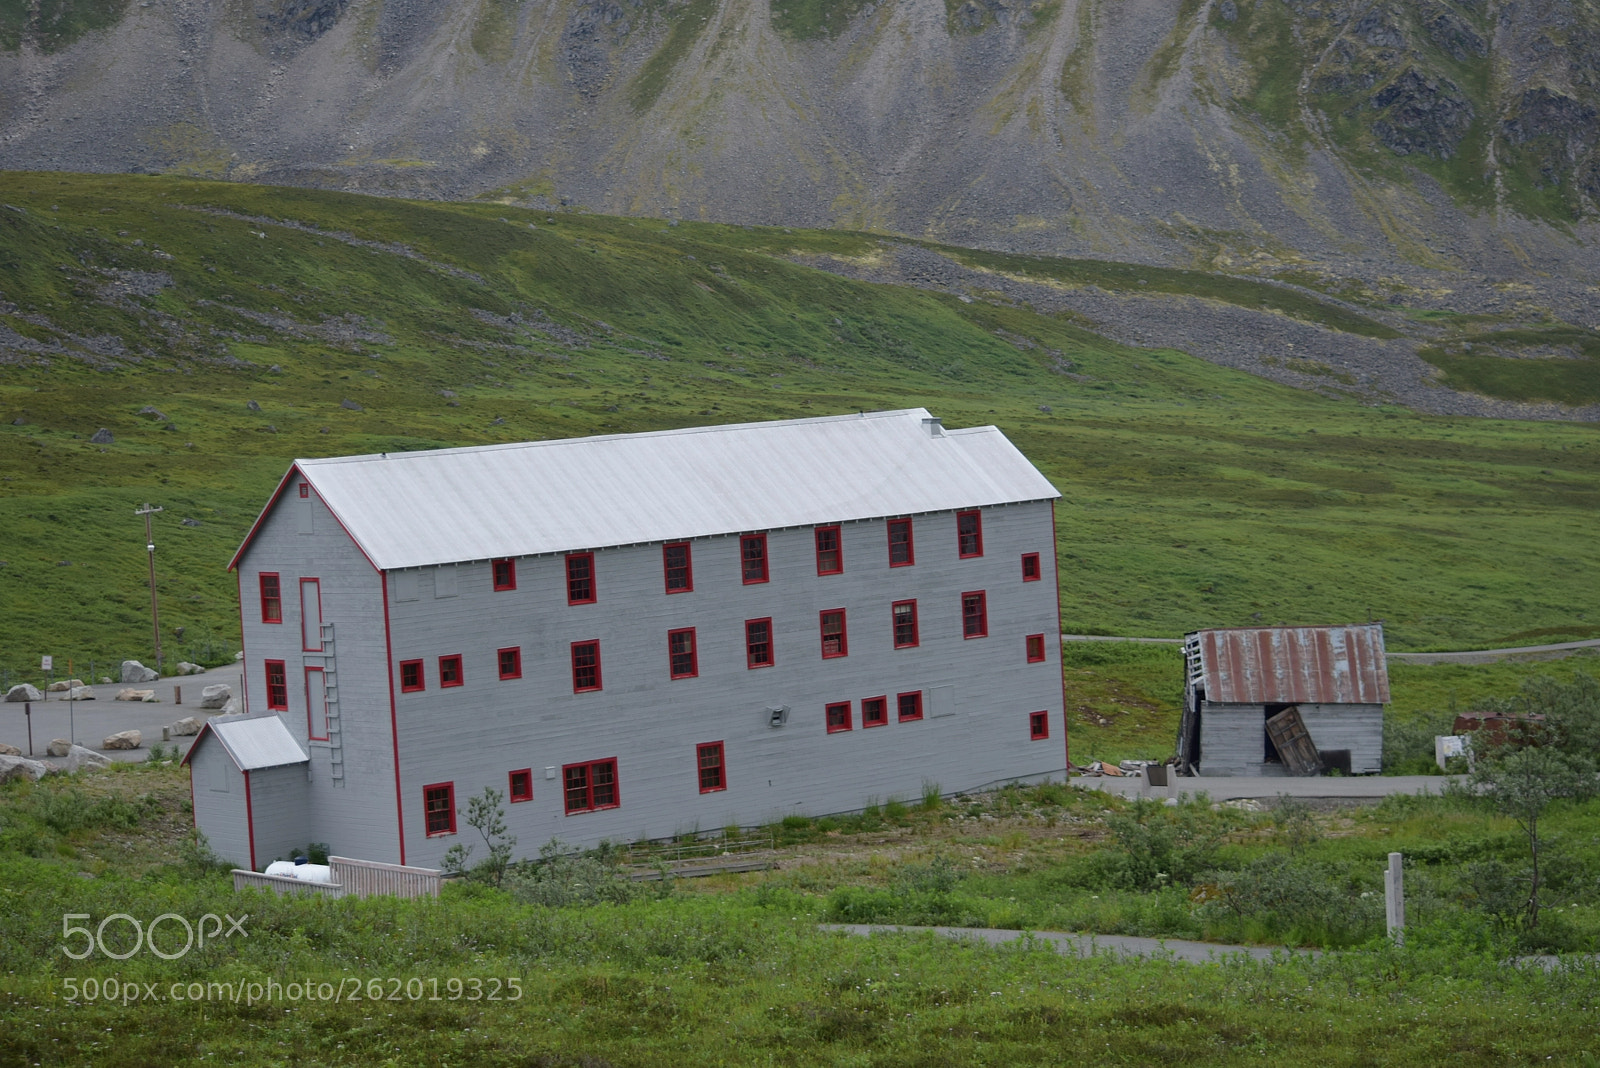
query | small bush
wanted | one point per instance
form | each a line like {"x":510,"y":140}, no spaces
{"x":1274,"y":898}
{"x":558,"y":879}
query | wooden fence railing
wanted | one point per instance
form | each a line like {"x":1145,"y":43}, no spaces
{"x":351,"y":878}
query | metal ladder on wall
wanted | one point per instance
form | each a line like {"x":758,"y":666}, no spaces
{"x":330,"y":683}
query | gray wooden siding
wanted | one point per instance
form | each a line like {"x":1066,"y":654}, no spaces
{"x":220,"y":814}
{"x":301,"y":539}
{"x":278,"y":804}
{"x":474,"y":735}
{"x":1232,"y":737}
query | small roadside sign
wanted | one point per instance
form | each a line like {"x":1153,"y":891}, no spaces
{"x":47,"y":663}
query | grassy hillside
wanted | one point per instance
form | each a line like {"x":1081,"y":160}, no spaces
{"x":1194,"y":495}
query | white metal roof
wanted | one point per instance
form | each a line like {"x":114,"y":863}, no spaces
{"x":263,"y":742}
{"x":418,"y":508}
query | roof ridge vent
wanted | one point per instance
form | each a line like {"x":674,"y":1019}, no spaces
{"x":934,"y":425}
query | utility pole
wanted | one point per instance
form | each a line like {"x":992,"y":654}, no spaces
{"x":150,"y":550}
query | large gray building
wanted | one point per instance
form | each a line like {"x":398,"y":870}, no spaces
{"x":635,"y":636}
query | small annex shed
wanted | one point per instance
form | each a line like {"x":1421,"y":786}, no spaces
{"x":248,"y":780}
{"x":1333,"y":679}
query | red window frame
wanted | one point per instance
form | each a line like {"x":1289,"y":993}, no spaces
{"x":580,"y":578}
{"x":841,"y":641}
{"x":753,"y":558}
{"x":1038,"y":726}
{"x":450,"y":672}
{"x":305,"y":491}
{"x":590,"y":786}
{"x":1035,"y":647}
{"x":836,"y":715}
{"x":906,"y":634}
{"x":711,"y":766}
{"x":439,"y":809}
{"x":683,"y":573}
{"x":969,"y":534}
{"x":311,"y":709}
{"x":509,"y":661}
{"x":586,"y":675}
{"x":503,"y":573}
{"x":875,"y":711}
{"x":975,"y":614}
{"x":415,"y":684}
{"x":904,"y":547}
{"x":519,"y":785}
{"x":1030,"y":567}
{"x":908,"y":706}
{"x":683,"y":654}
{"x":271,"y":597}
{"x":830,"y":550}
{"x":758,"y":651}
{"x":277,"y":686}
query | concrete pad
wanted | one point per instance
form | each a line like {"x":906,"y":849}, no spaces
{"x":1084,"y":945}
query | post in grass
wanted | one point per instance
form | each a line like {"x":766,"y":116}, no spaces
{"x":1394,"y":899}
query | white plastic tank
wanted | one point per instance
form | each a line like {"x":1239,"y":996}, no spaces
{"x":310,"y":873}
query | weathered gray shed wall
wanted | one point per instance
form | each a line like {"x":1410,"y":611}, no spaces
{"x":278,"y":806}
{"x":1233,"y":737}
{"x":978,"y":692}
{"x":299,"y":538}
{"x":1358,"y":728}
{"x":219,"y":802}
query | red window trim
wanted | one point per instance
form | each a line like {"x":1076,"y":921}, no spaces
{"x":510,"y":582}
{"x":688,"y":567}
{"x":305,"y":491}
{"x":1037,"y":574}
{"x":516,"y":662}
{"x":598,"y":681}
{"x":911,"y":546}
{"x":827,"y":717}
{"x":589,"y":766}
{"x":753,"y":539}
{"x":894,"y":623}
{"x":1038,"y":726}
{"x":983,"y":614}
{"x":422,"y":679}
{"x":1029,"y":643}
{"x":450,"y":794}
{"x":694,"y":654}
{"x":274,"y":599}
{"x":278,"y":694}
{"x":844,"y":633}
{"x":594,"y":588}
{"x":900,"y":706}
{"x":977,"y":534}
{"x":311,"y":733}
{"x":721,"y":766}
{"x":838,"y":549}
{"x":461,"y":674}
{"x":511,"y":785}
{"x":749,"y":654}
{"x":305,"y":616}
{"x":883,"y":700}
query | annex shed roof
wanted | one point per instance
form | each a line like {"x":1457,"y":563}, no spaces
{"x":253,"y":744}
{"x":1272,"y":665}
{"x":414,"y":509}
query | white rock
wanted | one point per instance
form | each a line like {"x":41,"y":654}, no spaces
{"x":106,"y":680}
{"x":16,"y":767}
{"x":9,"y":750}
{"x":217,"y":695}
{"x":23,"y":692}
{"x":186,"y":668}
{"x":80,"y":758}
{"x":63,"y":685}
{"x":58,"y":747}
{"x":133,"y":671}
{"x":78,"y":693}
{"x":130,"y":694}
{"x":123,"y":740}
{"x":185,"y":727}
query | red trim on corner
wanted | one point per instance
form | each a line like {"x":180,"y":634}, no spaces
{"x":394,"y":722}
{"x":244,"y":668}
{"x":249,"y":820}
{"x":1055,"y":560}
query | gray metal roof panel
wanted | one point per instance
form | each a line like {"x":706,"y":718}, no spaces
{"x":1273,"y":665}
{"x":257,"y":743}
{"x":419,"y":508}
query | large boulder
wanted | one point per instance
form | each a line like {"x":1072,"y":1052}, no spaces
{"x":58,"y":747}
{"x":78,"y":693}
{"x":23,"y":692}
{"x":185,"y":727}
{"x":63,"y":685}
{"x":123,"y":740}
{"x":130,"y":694}
{"x":17,"y":767}
{"x":186,"y":668}
{"x":133,"y":671}
{"x":216,"y":695}
{"x":9,"y":750}
{"x":80,"y":758}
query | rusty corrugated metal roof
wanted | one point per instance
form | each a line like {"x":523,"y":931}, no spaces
{"x":1317,"y":665}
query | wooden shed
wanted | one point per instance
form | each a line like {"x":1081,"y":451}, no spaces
{"x":1283,"y":700}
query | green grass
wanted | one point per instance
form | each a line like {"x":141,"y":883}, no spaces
{"x":1193,"y":495}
